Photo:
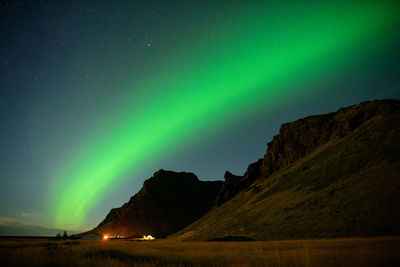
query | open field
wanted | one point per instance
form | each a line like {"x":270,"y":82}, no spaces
{"x":383,"y":251}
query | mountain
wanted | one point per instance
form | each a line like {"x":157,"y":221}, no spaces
{"x":167,"y":202}
{"x":331,"y":175}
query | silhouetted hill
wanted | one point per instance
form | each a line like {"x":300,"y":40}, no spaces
{"x":168,"y":202}
{"x":331,"y":175}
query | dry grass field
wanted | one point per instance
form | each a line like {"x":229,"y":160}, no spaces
{"x":324,"y":252}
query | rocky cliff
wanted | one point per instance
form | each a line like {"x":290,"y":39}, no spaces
{"x":330,"y":175}
{"x":300,"y":138}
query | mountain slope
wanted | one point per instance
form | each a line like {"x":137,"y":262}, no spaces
{"x":331,"y":175}
{"x":168,"y":202}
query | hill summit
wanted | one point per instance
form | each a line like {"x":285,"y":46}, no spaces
{"x":168,"y":202}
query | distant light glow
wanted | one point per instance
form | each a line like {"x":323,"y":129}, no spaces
{"x":208,"y":83}
{"x":105,"y":237}
{"x":148,"y":237}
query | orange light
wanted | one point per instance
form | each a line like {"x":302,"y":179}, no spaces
{"x":105,"y":237}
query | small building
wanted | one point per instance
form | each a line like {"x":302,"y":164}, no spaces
{"x":91,"y":236}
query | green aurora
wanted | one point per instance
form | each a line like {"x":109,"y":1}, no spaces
{"x":208,"y":81}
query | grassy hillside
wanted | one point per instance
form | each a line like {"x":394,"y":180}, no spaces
{"x":349,"y":186}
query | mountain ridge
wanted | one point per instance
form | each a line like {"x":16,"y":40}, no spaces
{"x":294,"y":141}
{"x":329,"y":175}
{"x":317,"y":174}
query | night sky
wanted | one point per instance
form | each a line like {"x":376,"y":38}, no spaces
{"x":95,"y":96}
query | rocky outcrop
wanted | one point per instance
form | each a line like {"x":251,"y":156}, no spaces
{"x":168,"y":202}
{"x":300,"y":138}
{"x":229,"y":188}
{"x":234,"y":184}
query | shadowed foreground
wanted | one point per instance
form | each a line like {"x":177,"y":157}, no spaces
{"x":328,"y":252}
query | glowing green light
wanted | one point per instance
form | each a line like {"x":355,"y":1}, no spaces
{"x":206,"y":83}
